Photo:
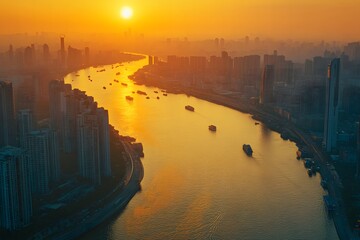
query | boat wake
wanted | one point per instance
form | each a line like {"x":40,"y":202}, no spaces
{"x":214,"y":226}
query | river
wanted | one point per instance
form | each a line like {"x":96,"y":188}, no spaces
{"x":199,"y":184}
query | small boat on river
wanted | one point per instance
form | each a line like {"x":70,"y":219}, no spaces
{"x":190,"y":108}
{"x":212,"y":128}
{"x":247,"y":149}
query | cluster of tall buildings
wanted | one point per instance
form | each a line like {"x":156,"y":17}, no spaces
{"x":315,"y":94}
{"x":30,"y":155}
{"x":239,"y":73}
{"x":83,"y":130}
{"x":34,"y":57}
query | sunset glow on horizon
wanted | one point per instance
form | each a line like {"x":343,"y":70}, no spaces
{"x":277,"y":19}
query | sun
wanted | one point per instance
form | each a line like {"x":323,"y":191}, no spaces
{"x":126,"y":12}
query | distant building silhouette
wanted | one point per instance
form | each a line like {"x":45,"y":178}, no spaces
{"x":332,"y":104}
{"x":216,"y":42}
{"x":15,"y":188}
{"x":7,"y":118}
{"x":247,"y":71}
{"x":87,"y":56}
{"x":266,"y":86}
{"x":283,"y":69}
{"x":151,"y":60}
{"x":62,"y":51}
{"x":46,"y":53}
{"x":222,"y":43}
{"x":11,"y":54}
{"x":353,"y":50}
{"x":74,"y":58}
{"x":197,"y":66}
{"x":320,"y":66}
{"x":308,"y":67}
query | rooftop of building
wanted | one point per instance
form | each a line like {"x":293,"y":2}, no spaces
{"x":7,"y":151}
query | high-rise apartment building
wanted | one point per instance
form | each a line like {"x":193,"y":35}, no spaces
{"x":332,"y":104}
{"x":62,"y":51}
{"x":88,"y":147}
{"x":7,"y":118}
{"x":15,"y":188}
{"x":247,"y":71}
{"x":266,"y":86}
{"x":25,"y":126}
{"x":104,"y":141}
{"x":38,"y":145}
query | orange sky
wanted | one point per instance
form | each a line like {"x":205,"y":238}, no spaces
{"x":305,"y":19}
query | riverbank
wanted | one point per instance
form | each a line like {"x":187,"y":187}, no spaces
{"x":101,"y":207}
{"x":55,"y":217}
{"x":121,"y":58}
{"x":114,"y":203}
{"x":272,"y":121}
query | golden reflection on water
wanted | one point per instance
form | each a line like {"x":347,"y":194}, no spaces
{"x":194,"y":217}
{"x":199,"y":184}
{"x":159,"y":196}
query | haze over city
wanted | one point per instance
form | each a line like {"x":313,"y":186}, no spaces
{"x":164,"y":119}
{"x":277,"y":19}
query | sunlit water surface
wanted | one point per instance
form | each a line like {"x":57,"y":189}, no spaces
{"x":199,"y":184}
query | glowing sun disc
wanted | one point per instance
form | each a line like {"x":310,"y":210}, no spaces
{"x":126,"y":12}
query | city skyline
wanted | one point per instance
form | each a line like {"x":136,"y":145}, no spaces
{"x":161,"y":119}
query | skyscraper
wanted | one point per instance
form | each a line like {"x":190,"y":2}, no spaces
{"x":62,"y":51}
{"x":247,"y":71}
{"x":15,"y":188}
{"x":38,"y":144}
{"x":88,"y":147}
{"x":266,"y":86}
{"x":25,"y":125}
{"x":104,"y":141}
{"x":58,"y":106}
{"x":54,"y":156}
{"x":46,"y":53}
{"x":358,"y":149}
{"x":87,"y":56}
{"x":7,"y":121}
{"x":331,"y":106}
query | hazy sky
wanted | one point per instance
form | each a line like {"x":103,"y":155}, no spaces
{"x":295,"y":19}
